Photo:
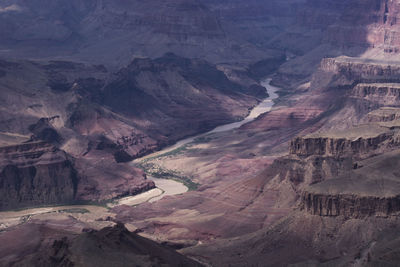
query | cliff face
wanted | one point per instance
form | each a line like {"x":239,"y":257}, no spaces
{"x":329,"y":166}
{"x":385,"y":33}
{"x":361,"y":69}
{"x":362,"y":130}
{"x":350,"y":206}
{"x":383,"y":115}
{"x":40,"y":99}
{"x":318,"y":160}
{"x":35,"y":174}
{"x":302,"y":172}
{"x":338,"y":147}
{"x":382,"y":94}
{"x":369,"y":189}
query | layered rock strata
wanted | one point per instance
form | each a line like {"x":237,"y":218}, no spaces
{"x":36,"y":173}
{"x":350,"y":205}
{"x":380,"y":93}
{"x":362,"y":69}
{"x":360,"y":141}
{"x":384,"y":114}
{"x":370,"y":189}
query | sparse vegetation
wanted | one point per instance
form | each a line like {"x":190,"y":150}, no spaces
{"x":156,"y":171}
{"x":75,"y":210}
{"x":179,"y":150}
{"x":202,"y":140}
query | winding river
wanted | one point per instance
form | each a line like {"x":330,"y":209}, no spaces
{"x":265,"y":106}
{"x":164,"y":187}
{"x":171,"y":187}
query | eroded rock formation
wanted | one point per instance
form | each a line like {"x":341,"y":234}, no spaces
{"x":341,"y":146}
{"x":350,"y":206}
{"x":35,"y":174}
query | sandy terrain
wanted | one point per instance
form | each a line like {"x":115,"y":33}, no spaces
{"x":169,"y":188}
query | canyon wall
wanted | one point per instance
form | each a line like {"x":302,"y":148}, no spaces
{"x":383,"y":115}
{"x":338,"y":147}
{"x":330,"y":166}
{"x":34,"y":174}
{"x":385,"y":94}
{"x":350,"y":206}
{"x":359,"y":69}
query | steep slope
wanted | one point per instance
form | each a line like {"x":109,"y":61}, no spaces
{"x":35,"y":173}
{"x":54,"y":245}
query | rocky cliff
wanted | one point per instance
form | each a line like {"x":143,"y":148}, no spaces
{"x":36,"y":174}
{"x":384,"y":114}
{"x":382,"y":94}
{"x":359,"y":68}
{"x":328,"y":168}
{"x":302,"y":172}
{"x":350,"y":206}
{"x":336,"y":146}
{"x":363,"y":131}
{"x":370,"y":189}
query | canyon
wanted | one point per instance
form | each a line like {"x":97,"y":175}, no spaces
{"x":69,"y":108}
{"x":216,"y":133}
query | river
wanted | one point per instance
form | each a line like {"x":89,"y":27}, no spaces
{"x":171,"y":187}
{"x":165,"y":187}
{"x":265,"y":106}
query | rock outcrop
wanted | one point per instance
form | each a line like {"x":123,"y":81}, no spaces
{"x":302,"y":172}
{"x":34,"y":174}
{"x":345,"y":166}
{"x":382,"y":94}
{"x":355,"y":142}
{"x":361,"y":69}
{"x":350,"y":206}
{"x":384,"y":114}
{"x":370,"y":189}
